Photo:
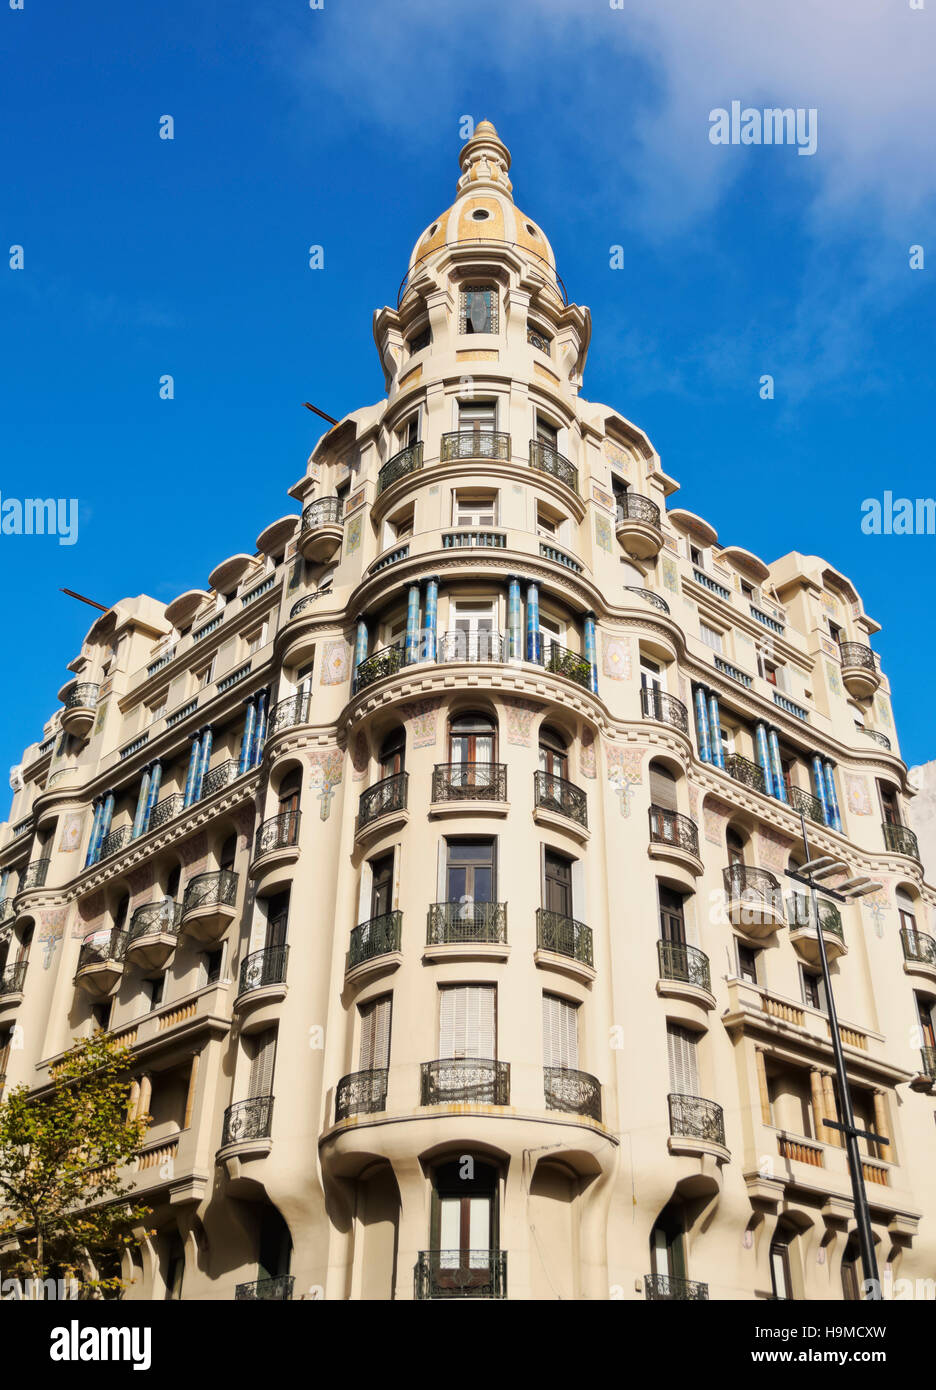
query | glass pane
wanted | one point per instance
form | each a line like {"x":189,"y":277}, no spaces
{"x":457,"y":884}
{"x":479,"y":1229}
{"x":483,"y":884}
{"x":449,"y":1230}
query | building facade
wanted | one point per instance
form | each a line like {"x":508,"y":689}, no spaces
{"x":432,"y":858}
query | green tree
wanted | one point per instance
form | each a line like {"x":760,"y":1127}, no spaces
{"x":62,"y":1196}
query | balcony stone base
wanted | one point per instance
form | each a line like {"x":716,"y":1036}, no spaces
{"x":377,"y":965}
{"x":467,"y":950}
{"x":553,"y":960}
{"x":542,"y":815}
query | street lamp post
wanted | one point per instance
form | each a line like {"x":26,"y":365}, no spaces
{"x":854,"y":889}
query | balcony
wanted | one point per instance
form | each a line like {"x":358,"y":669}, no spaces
{"x":572,"y":1092}
{"x":167,"y":810}
{"x":696,"y":1126}
{"x":469,"y":786}
{"x":561,"y":803}
{"x":12,"y":982}
{"x":754,"y":899}
{"x":407,"y":461}
{"x":468,"y":925}
{"x":748,"y":773}
{"x":217,"y":778}
{"x":6,"y":909}
{"x":880,"y":738}
{"x":385,"y":662}
{"x":276,"y":849}
{"x":464,"y":1081}
{"x":560,"y":661}
{"x":664,"y":708}
{"x":278,"y":1289}
{"x":899,"y":839}
{"x":361,"y":1093}
{"x":684,"y":965}
{"x":671,"y":1288}
{"x":467,"y":540}
{"x":649,"y":597}
{"x":676,"y":837}
{"x":638,"y":526}
{"x":548,"y":460}
{"x":565,"y":938}
{"x":919,"y":952}
{"x":859,"y":669}
{"x":114,"y":842}
{"x":249,"y":1123}
{"x":263,"y":970}
{"x":475,"y":444}
{"x":152,"y":934}
{"x":460,"y":1274}
{"x":375,"y":940}
{"x":321,"y":532}
{"x":290,"y":712}
{"x":34,"y":875}
{"x":928,"y":1060}
{"x":79,"y":709}
{"x":471,"y":646}
{"x":101,"y":963}
{"x":209,"y":905}
{"x":385,"y":799}
{"x":809,"y":805}
{"x":803,"y":933}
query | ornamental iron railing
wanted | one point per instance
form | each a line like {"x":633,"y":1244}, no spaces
{"x":464,"y":1081}
{"x":115,"y":841}
{"x":279,"y":1288}
{"x":384,"y":797}
{"x":878,"y":737}
{"x":377,"y":937}
{"x":279,"y":832}
{"x":671,"y":1287}
{"x":469,"y":782}
{"x":805,"y":802}
{"x":562,"y":662}
{"x":289,"y":712}
{"x":34,"y":875}
{"x":548,"y":460}
{"x":266,"y":967}
{"x":453,"y":922}
{"x":385,"y":662}
{"x":801,"y":915}
{"x":857,"y":655}
{"x":100,"y":952}
{"x":361,"y":1093}
{"x":672,"y":828}
{"x":753,"y":888}
{"x":633,"y":507}
{"x":408,"y":460}
{"x":248,"y":1119}
{"x":553,"y":793}
{"x":685,"y":964}
{"x":82,"y":696}
{"x":901,"y":840}
{"x":695,"y":1118}
{"x":917,"y":946}
{"x":928,"y":1058}
{"x":325,"y":511}
{"x":665,"y":708}
{"x":12,"y":978}
{"x":574,"y":1092}
{"x":167,"y":809}
{"x":471,"y":646}
{"x":460,"y":1274}
{"x":218,"y":777}
{"x":563,"y":935}
{"x":154,"y":919}
{"x":216,"y":889}
{"x":743,"y":770}
{"x":650,"y":597}
{"x":475,"y":444}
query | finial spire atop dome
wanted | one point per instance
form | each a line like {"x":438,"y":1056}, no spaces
{"x":484,"y":160}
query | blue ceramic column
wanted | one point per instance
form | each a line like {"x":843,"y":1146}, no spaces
{"x":203,"y":761}
{"x":763,"y":756}
{"x":702,"y":726}
{"x":155,"y":784}
{"x":247,"y":741}
{"x":360,"y":642}
{"x":95,"y":826}
{"x":192,"y":772}
{"x":832,"y":797}
{"x":142,"y":802}
{"x":411,"y":643}
{"x":780,"y":791}
{"x":534,"y":645}
{"x":107,"y":815}
{"x":260,"y":731}
{"x":819,"y":784}
{"x":431,"y":617}
{"x":591,"y":652}
{"x":718,"y":752}
{"x":514,"y":619}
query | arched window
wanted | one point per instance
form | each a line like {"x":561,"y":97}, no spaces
{"x":25,"y":942}
{"x":228,"y":853}
{"x":172,"y":882}
{"x":907,"y":915}
{"x":735,"y":849}
{"x":780,"y":1262}
{"x":464,"y":1232}
{"x":290,"y":789}
{"x":472,"y":749}
{"x":393,"y":754}
{"x":668,"y":1251}
{"x":553,"y":753}
{"x":662,"y":787}
{"x":120,"y":916}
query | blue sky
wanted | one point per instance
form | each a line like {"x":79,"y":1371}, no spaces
{"x":340,"y":127}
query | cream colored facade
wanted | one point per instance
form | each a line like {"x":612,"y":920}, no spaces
{"x":538,"y":1019}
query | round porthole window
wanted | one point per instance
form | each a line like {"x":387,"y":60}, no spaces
{"x":432,"y":231}
{"x":480,"y":215}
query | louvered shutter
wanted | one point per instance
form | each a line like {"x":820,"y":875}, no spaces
{"x":681,"y":1046}
{"x":560,"y":1032}
{"x":662,"y":789}
{"x":261,"y":1066}
{"x":467,"y":1021}
{"x":375,"y":1034}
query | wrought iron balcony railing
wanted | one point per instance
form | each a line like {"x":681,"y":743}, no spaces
{"x":917,"y":946}
{"x":216,"y":889}
{"x":289,"y":712}
{"x":34,"y":875}
{"x":928,"y":1058}
{"x":671,"y":1287}
{"x":743,"y":770}
{"x":12,"y":978}
{"x":810,"y":805}
{"x":6,"y":909}
{"x":376,"y":937}
{"x":110,"y":948}
{"x":469,"y":782}
{"x":574,"y":1092}
{"x":453,"y":922}
{"x":801,"y":915}
{"x":248,"y":1119}
{"x":685,"y":963}
{"x":564,"y":935}
{"x":633,"y":507}
{"x":673,"y":828}
{"x":475,"y":444}
{"x":307,"y":601}
{"x":115,"y":841}
{"x":167,"y":809}
{"x":880,"y":738}
{"x":665,"y":708}
{"x":464,"y":1081}
{"x":857,"y":655}
{"x":266,"y":967}
{"x":82,"y":696}
{"x":385,"y":662}
{"x":154,"y":919}
{"x":461,"y":1274}
{"x":408,"y":460}
{"x":695,"y":1118}
{"x":279,"y":832}
{"x":900,"y":839}
{"x":563,"y":662}
{"x":549,"y":460}
{"x":219,"y":777}
{"x":756,"y":886}
{"x":324,"y":511}
{"x":651,"y":597}
{"x":279,"y":1288}
{"x":471,"y":646}
{"x":361,"y":1093}
{"x":565,"y":798}
{"x":386,"y":796}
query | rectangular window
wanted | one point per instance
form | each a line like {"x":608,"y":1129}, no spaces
{"x":206,"y":675}
{"x":474,"y":509}
{"x":420,"y":340}
{"x":468,"y":1021}
{"x":211,"y":965}
{"x":890,"y":809}
{"x":477,"y":415}
{"x":557,"y":883}
{"x":262,"y":1053}
{"x":546,"y":432}
{"x":682,"y":1045}
{"x":672,"y":916}
{"x":813,"y":990}
{"x":478,"y":309}
{"x":560,"y":1033}
{"x":375,"y":1015}
{"x":470,"y":866}
{"x":154,"y":990}
{"x":381,"y":885}
{"x":747,"y":963}
{"x":712,"y":637}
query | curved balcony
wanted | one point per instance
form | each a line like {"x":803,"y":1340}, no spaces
{"x":262,"y":983}
{"x":560,"y":661}
{"x":209,"y":905}
{"x":34,"y":875}
{"x":809,"y":805}
{"x":464,"y":1081}
{"x":475,"y":444}
{"x":755,"y":900}
{"x":321,"y":532}
{"x":928,"y":1061}
{"x":748,"y":773}
{"x":6,"y":909}
{"x":880,"y":738}
{"x":460,"y":1274}
{"x":696,"y":1125}
{"x":101,"y":963}
{"x":671,"y":1288}
{"x":664,"y":708}
{"x":385,"y":662}
{"x":674,"y":836}
{"x":919,"y":951}
{"x":278,"y":1289}
{"x":152,"y":934}
{"x":548,"y":460}
{"x":563,"y":939}
{"x":555,"y":797}
{"x":469,"y":787}
{"x":647,"y":594}
{"x":471,"y":646}
{"x":803,"y":932}
{"x":286,"y":714}
{"x":859,"y":669}
{"x":466,"y":923}
{"x":899,"y":839}
{"x":248,"y":1122}
{"x":276,"y":849}
{"x":361,"y":1093}
{"x":408,"y":460}
{"x":638,"y":526}
{"x":385,"y":802}
{"x":573,"y":1092}
{"x":374,"y":941}
{"x":12,"y":982}
{"x":79,"y":709}
{"x":682,"y":964}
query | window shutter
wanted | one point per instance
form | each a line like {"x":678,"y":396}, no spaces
{"x":662,"y":789}
{"x":261,"y":1066}
{"x":375,"y":1034}
{"x":560,"y":1032}
{"x":681,"y":1046}
{"x":467,"y":1021}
